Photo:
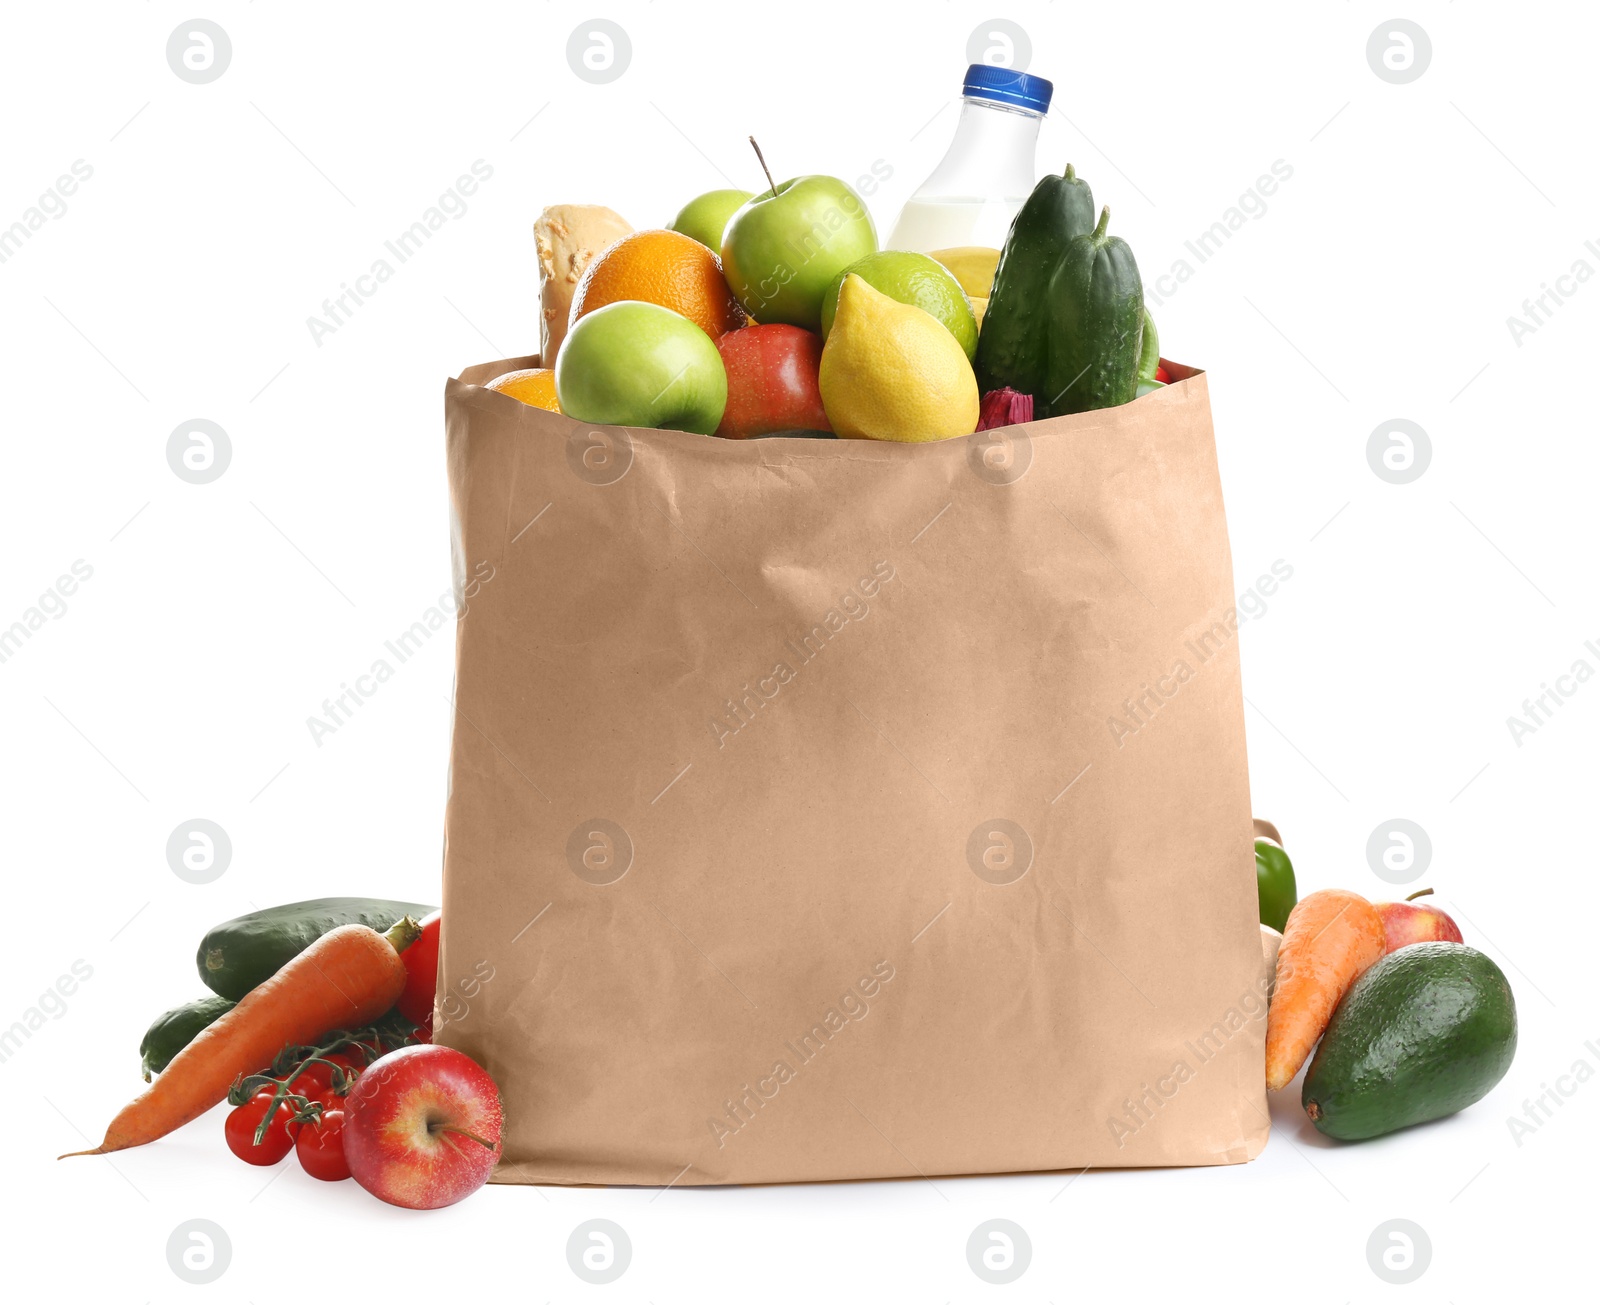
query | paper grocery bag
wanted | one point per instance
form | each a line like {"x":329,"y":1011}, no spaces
{"x":828,"y":809}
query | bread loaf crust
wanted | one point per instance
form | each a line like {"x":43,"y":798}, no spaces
{"x":566,"y":238}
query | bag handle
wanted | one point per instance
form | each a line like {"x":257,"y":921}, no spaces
{"x":1266,"y":829}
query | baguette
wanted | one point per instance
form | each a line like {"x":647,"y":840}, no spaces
{"x":566,"y":238}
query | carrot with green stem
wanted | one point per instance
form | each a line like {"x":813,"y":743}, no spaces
{"x":1329,"y":941}
{"x":347,"y":978}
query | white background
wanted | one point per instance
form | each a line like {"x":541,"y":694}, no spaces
{"x":178,"y":681}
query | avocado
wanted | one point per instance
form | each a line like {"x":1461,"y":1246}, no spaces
{"x":1425,"y":1032}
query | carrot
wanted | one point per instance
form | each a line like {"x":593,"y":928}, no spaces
{"x":347,"y":978}
{"x":1330,"y":939}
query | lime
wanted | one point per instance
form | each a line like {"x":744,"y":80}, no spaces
{"x":913,"y":279}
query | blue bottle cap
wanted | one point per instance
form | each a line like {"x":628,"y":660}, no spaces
{"x":986,"y":81}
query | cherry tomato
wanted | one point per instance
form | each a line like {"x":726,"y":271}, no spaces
{"x":313,"y":1081}
{"x":240,"y":1130}
{"x":422,"y":974}
{"x":352,"y":1064}
{"x":320,"y":1147}
{"x":361,"y":1054}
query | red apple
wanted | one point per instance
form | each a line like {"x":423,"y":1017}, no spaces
{"x":422,"y":1127}
{"x":1405,"y":923}
{"x":772,"y":381}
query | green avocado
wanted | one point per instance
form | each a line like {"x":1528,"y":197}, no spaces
{"x":1425,"y":1032}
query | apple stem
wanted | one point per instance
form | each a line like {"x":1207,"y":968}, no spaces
{"x":481,"y":1141}
{"x":762,"y":160}
{"x":1421,"y":892}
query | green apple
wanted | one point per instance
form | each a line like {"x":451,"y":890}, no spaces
{"x":782,"y":249}
{"x":706,"y":216}
{"x":638,"y":364}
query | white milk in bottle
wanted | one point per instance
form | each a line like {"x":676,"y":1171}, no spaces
{"x":987,"y":172}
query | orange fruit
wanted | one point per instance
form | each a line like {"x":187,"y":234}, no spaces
{"x":535,"y":386}
{"x":666,"y":268}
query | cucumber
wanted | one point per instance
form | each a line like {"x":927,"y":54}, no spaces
{"x":1093,"y":325}
{"x":1011,"y":345}
{"x":176,"y":1029}
{"x":236,"y":956}
{"x":1149,"y":349}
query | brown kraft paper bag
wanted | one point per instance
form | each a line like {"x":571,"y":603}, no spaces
{"x":834,"y":809}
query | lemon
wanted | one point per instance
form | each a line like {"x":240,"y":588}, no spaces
{"x":972,"y":265}
{"x":891,"y":371}
{"x":912,"y":279}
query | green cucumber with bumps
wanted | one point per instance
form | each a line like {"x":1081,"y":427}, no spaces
{"x":236,"y":956}
{"x":1011,"y":343}
{"x":1149,"y":349}
{"x":175,"y":1029}
{"x":1093,"y":327}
